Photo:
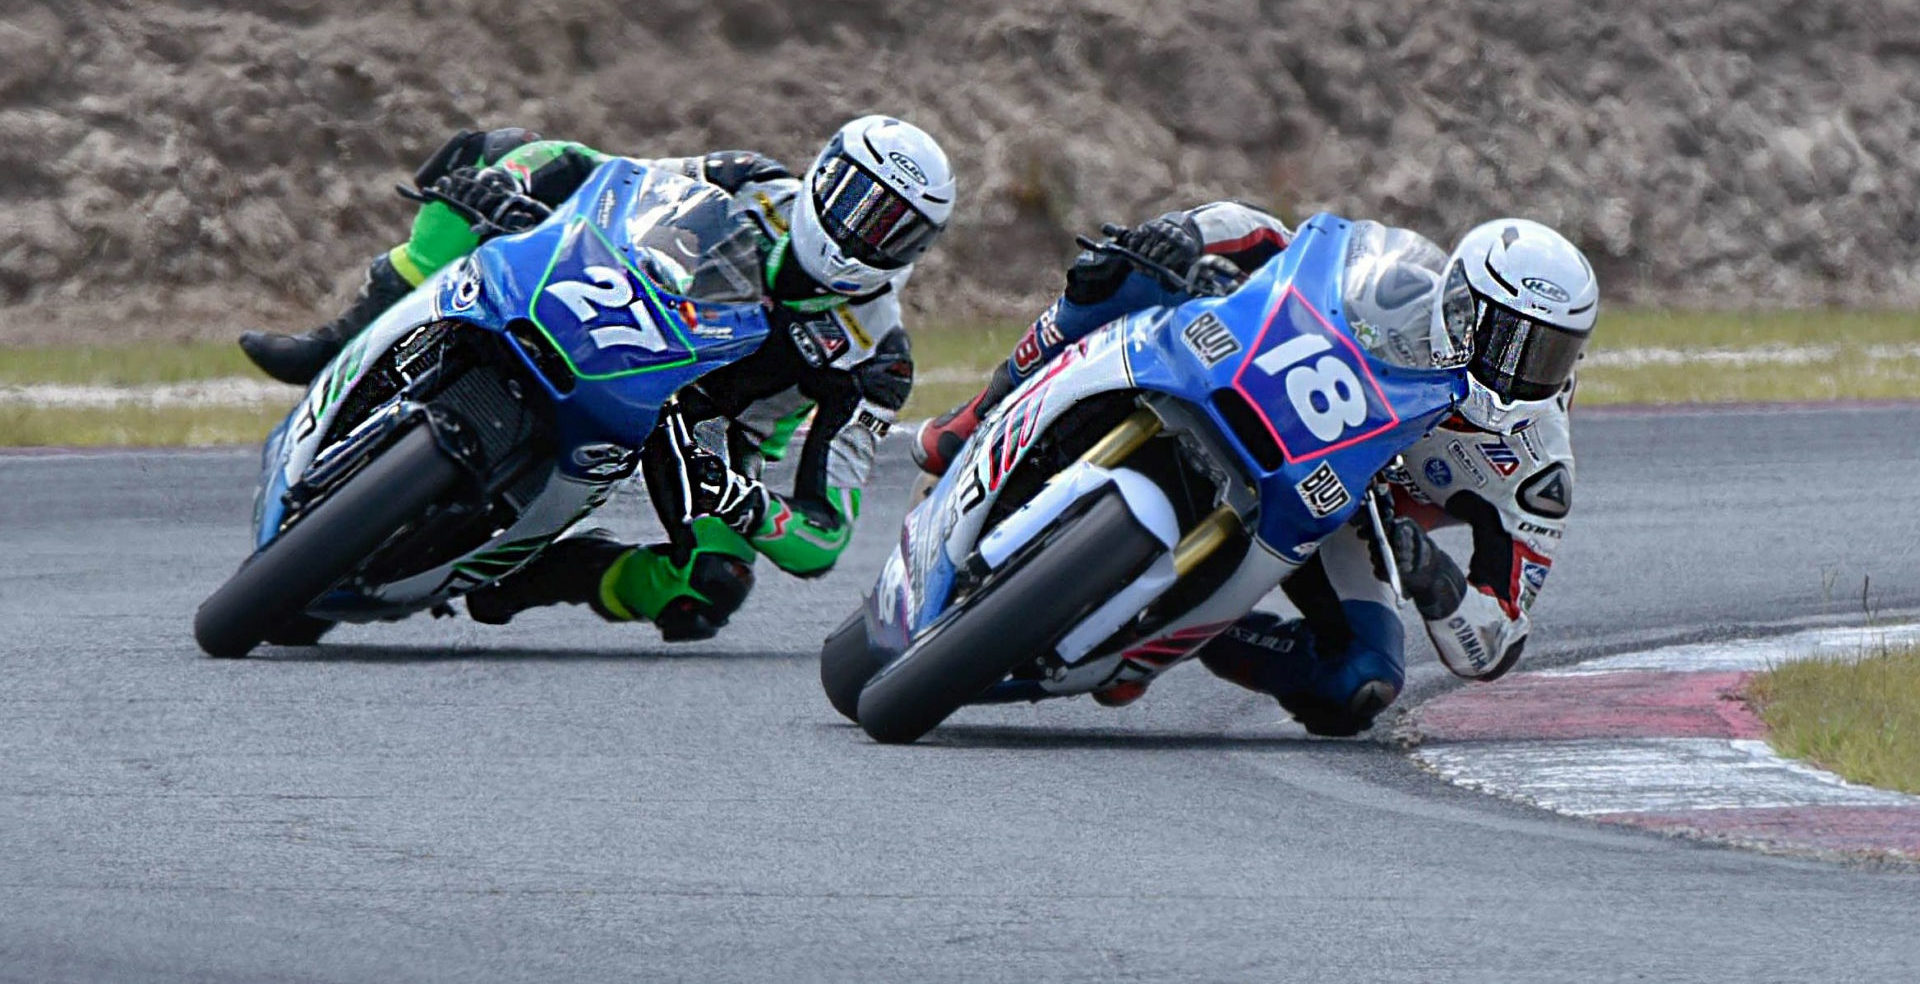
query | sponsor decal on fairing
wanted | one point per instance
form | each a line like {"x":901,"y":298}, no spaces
{"x":1209,"y":340}
{"x":1323,"y":492}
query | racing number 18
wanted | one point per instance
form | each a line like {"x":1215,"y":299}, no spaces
{"x":1330,"y":379}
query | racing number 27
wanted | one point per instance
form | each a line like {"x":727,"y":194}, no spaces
{"x":1329,"y":379}
{"x":606,"y":290}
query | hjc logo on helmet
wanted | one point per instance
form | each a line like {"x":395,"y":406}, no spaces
{"x":1547,"y":289}
{"x":905,"y":163}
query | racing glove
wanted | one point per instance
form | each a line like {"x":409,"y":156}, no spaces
{"x":494,"y":200}
{"x":1172,"y":240}
{"x":1428,"y":575}
{"x":707,"y":486}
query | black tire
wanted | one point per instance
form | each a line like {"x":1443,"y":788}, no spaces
{"x":274,"y":586}
{"x":1081,"y":564}
{"x":847,"y":662}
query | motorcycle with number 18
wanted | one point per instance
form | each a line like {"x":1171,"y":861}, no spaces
{"x":1134,"y":497}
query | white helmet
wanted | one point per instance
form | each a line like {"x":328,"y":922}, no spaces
{"x":872,"y":202}
{"x":1524,"y":299}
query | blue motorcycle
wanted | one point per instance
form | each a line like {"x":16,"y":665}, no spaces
{"x":1135,"y":497}
{"x":492,"y":408}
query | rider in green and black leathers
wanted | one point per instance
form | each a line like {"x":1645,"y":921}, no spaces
{"x":836,"y":245}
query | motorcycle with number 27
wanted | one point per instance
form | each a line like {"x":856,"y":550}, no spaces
{"x":1136,"y":496}
{"x":489,"y":410}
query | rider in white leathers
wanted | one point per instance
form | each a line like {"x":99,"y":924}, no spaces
{"x":1502,"y":466}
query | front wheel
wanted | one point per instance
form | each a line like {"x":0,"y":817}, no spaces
{"x":1079,"y":565}
{"x":267,"y":596}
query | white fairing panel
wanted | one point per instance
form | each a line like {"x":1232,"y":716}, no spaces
{"x":950,"y":519}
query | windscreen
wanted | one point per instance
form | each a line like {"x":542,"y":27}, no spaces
{"x":686,"y":240}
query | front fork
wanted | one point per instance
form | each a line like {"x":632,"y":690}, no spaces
{"x":1199,"y":543}
{"x":1219,"y":526}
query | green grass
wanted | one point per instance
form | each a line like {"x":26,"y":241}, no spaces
{"x":954,"y":358}
{"x":22,"y":426}
{"x":133,"y":364}
{"x":951,"y":361}
{"x":948,"y":354}
{"x":1859,"y":719}
{"x":1753,"y":329}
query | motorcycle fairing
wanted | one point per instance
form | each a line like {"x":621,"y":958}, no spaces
{"x":1247,"y":346}
{"x":624,"y":232}
{"x":1326,"y":414}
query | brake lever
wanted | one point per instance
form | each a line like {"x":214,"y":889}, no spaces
{"x":1165,"y":273}
{"x":1380,"y":543}
{"x":483,"y":226}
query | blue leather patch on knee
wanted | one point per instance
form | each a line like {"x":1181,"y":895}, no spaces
{"x":1282,"y":669}
{"x":1379,"y":644}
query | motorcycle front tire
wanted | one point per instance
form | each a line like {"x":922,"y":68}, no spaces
{"x":268,"y":595}
{"x":1081,"y":563}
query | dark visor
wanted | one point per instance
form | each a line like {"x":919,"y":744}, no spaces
{"x":870,"y":221}
{"x":1522,"y":358}
{"x":1516,"y":356}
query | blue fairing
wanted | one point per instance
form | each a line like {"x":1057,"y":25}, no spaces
{"x":603,"y":282}
{"x":1318,"y":400}
{"x":628,"y":354}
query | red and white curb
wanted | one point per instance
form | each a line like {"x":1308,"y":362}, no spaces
{"x":1661,"y":739}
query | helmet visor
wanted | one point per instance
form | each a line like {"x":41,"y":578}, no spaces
{"x":867,"y":219}
{"x":1517,"y":356}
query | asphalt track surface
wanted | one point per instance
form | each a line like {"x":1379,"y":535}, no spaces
{"x":566,"y":800}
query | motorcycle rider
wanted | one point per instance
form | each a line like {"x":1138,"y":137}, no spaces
{"x":1502,"y":465}
{"x":835,"y":246}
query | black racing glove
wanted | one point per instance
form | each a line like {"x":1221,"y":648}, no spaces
{"x":1428,"y":575}
{"x":1095,"y":276}
{"x":702,"y":484}
{"x":492,"y":199}
{"x":719,"y":491}
{"x":1172,"y":240}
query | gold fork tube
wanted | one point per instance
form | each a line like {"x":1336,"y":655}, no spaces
{"x":1123,"y":440}
{"x":1201,"y":541}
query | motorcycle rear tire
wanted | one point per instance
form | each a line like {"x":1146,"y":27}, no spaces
{"x":847,"y":662}
{"x":1084,"y":562}
{"x":274,"y":587}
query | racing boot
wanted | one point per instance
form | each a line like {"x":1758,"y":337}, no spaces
{"x":939,"y":440}
{"x":567,"y":572}
{"x":298,"y":358}
{"x":686,"y":599}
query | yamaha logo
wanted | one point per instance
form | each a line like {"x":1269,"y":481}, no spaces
{"x":905,"y":163}
{"x":1547,"y":289}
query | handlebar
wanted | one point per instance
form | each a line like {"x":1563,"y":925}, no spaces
{"x":1210,"y":276}
{"x":484,"y":226}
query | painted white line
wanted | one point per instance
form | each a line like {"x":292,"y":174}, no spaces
{"x":1765,"y":355}
{"x":1752,"y":655}
{"x":231,"y":391}
{"x":1641,"y":775}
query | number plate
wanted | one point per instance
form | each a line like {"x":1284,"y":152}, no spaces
{"x":1312,"y":383}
